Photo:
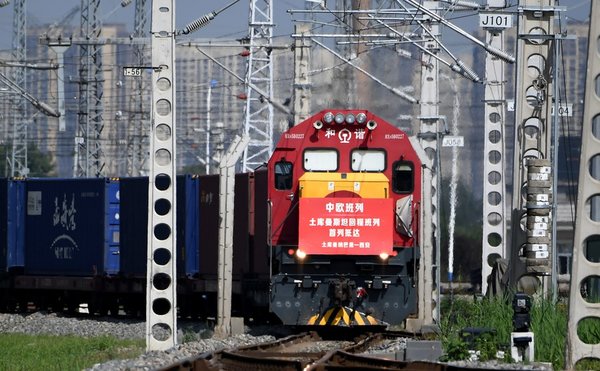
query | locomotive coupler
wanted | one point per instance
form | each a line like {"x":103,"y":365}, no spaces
{"x":341,"y":290}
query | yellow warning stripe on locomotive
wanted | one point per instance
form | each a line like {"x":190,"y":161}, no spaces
{"x":342,"y":316}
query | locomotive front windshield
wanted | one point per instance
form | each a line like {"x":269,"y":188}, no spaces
{"x":368,"y":160}
{"x":320,"y":159}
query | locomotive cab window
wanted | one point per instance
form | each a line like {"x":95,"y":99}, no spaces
{"x":283,"y":175}
{"x":368,"y":160}
{"x":403,"y":177}
{"x":320,"y":159}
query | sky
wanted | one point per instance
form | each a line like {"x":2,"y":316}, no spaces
{"x":233,"y":23}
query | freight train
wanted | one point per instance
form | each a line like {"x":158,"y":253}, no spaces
{"x":327,"y":233}
{"x":66,"y":242}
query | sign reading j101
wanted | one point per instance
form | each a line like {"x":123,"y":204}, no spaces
{"x":132,"y":71}
{"x":495,"y":20}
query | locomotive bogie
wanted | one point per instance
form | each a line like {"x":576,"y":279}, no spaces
{"x":389,"y":299}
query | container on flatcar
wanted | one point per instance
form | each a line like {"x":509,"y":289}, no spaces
{"x":3,"y":224}
{"x":250,"y":271}
{"x":12,"y":230}
{"x":188,"y":216}
{"x":72,"y":227}
{"x":134,"y":225}
{"x":134,"y":221}
{"x":209,"y":228}
{"x":15,"y":224}
{"x":258,"y":249}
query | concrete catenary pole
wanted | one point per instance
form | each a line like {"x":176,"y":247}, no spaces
{"x":161,"y":305}
{"x":532,"y":173}
{"x":494,"y":180}
{"x":585,"y":285}
{"x":226,"y":209}
{"x":302,"y":83}
{"x":429,"y":136}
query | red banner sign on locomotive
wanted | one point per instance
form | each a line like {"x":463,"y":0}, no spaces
{"x":346,"y":226}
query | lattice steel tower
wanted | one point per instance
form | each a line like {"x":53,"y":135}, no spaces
{"x":89,"y":157}
{"x":17,"y":161}
{"x":259,"y":112}
{"x":139,"y":123}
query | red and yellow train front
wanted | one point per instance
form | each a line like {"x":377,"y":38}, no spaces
{"x":344,"y":191}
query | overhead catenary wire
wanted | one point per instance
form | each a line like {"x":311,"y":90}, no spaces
{"x":204,"y":20}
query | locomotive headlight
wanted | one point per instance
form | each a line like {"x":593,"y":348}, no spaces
{"x":339,"y":118}
{"x":371,"y":125}
{"x":328,"y":117}
{"x":361,"y":118}
{"x":350,"y":118}
{"x":384,"y":256}
{"x":300,"y":254}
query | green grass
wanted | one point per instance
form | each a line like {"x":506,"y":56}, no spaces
{"x":548,"y":323}
{"x":26,"y":352}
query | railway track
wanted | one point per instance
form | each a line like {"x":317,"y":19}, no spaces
{"x":306,"y":351}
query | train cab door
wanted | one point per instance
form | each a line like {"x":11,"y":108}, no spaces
{"x":283,"y":198}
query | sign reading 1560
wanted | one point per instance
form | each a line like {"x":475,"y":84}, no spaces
{"x":132,"y":71}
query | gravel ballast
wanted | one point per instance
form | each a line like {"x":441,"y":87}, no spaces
{"x":196,"y":334}
{"x":194,"y":338}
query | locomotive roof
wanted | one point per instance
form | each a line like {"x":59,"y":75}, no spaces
{"x":337,"y":128}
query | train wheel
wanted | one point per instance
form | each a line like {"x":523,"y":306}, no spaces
{"x":72,"y":307}
{"x":11,"y":305}
{"x":114,"y":308}
{"x":23,"y":305}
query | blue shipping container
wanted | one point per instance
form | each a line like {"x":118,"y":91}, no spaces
{"x":16,"y":224}
{"x":134,"y":224}
{"x":3,"y":224}
{"x":188,"y":214}
{"x":66,"y":227}
{"x":112,"y":230}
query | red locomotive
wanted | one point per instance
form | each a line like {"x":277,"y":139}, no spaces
{"x":344,"y":190}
